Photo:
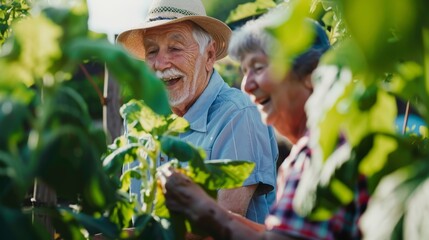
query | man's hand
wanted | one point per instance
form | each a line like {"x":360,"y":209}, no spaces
{"x":182,"y":195}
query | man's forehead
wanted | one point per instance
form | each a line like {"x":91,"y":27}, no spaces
{"x":172,"y":30}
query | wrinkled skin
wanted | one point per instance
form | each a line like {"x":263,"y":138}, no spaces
{"x":174,"y":54}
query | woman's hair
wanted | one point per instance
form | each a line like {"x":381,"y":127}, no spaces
{"x":253,"y":37}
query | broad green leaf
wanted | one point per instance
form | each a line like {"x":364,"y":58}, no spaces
{"x":112,"y":164}
{"x":408,"y":149}
{"x":16,"y":225}
{"x":139,"y":115}
{"x":177,"y":125}
{"x":377,"y":157}
{"x":67,"y":226}
{"x":391,"y":201}
{"x":160,"y":209}
{"x":13,"y":117}
{"x":38,"y":44}
{"x":149,"y":227}
{"x":246,"y":10}
{"x":131,"y":73}
{"x":123,"y":211}
{"x":324,"y":188}
{"x":127,"y":176}
{"x":416,"y":221}
{"x":178,"y":225}
{"x":225,"y":173}
{"x":384,"y":35}
{"x":293,"y":42}
{"x":181,"y":150}
{"x":95,"y":225}
{"x":65,"y":107}
{"x":14,"y":180}
{"x":324,"y":108}
{"x":80,"y":170}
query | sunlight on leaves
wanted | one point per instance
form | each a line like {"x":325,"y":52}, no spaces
{"x":389,"y":203}
{"x":250,"y":9}
{"x":39,"y":46}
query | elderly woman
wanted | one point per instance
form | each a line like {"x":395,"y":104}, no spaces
{"x":281,"y":103}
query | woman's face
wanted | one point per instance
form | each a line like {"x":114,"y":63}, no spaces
{"x":279,"y":100}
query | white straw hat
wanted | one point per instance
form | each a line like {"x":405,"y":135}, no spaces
{"x":164,"y":12}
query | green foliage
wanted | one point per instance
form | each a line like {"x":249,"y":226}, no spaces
{"x":10,"y":11}
{"x":250,"y":9}
{"x":49,"y":135}
{"x":149,"y":134}
{"x":380,"y":55}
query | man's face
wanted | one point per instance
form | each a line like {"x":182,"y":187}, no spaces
{"x":174,"y":54}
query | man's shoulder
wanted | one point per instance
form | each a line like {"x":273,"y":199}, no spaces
{"x":233,"y":97}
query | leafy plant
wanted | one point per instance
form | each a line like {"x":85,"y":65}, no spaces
{"x":10,"y":11}
{"x":380,"y":55}
{"x":48,"y":136}
{"x":149,"y":134}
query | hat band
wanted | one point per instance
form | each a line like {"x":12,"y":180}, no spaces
{"x":161,"y":18}
{"x":164,"y":9}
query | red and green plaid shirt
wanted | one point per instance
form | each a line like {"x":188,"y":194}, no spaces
{"x":284,"y":220}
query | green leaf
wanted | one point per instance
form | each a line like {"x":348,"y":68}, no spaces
{"x":182,"y":151}
{"x":386,"y":32}
{"x":148,"y":227}
{"x":113,"y":163}
{"x":160,"y":209}
{"x":131,"y":73}
{"x":177,"y":124}
{"x":15,"y":179}
{"x":141,"y":117}
{"x":66,"y":225}
{"x":225,"y":173}
{"x":67,"y":154}
{"x":38,"y":45}
{"x":13,"y":117}
{"x":293,"y":42}
{"x":96,"y":225}
{"x":16,"y":225}
{"x":392,"y":201}
{"x":123,"y":211}
{"x":250,"y":9}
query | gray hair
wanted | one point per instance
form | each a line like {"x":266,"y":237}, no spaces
{"x":202,"y":37}
{"x":251,"y":37}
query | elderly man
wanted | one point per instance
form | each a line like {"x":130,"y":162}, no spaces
{"x":181,"y":44}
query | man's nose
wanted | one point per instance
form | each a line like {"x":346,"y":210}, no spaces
{"x":161,"y":62}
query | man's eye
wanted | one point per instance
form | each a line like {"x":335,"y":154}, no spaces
{"x":175,"y":49}
{"x":151,"y":51}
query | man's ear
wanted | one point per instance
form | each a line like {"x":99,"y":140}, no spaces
{"x":211,"y":55}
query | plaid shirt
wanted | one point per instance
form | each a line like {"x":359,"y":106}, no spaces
{"x":284,"y":220}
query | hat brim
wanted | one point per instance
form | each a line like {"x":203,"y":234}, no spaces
{"x":132,"y":39}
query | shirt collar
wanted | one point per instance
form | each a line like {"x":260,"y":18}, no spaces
{"x":198,"y":113}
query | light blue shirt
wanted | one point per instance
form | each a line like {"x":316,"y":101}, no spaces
{"x":227,"y":125}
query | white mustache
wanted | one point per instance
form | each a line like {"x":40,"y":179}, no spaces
{"x":169,"y":73}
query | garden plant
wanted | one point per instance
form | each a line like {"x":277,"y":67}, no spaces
{"x":379,"y":55}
